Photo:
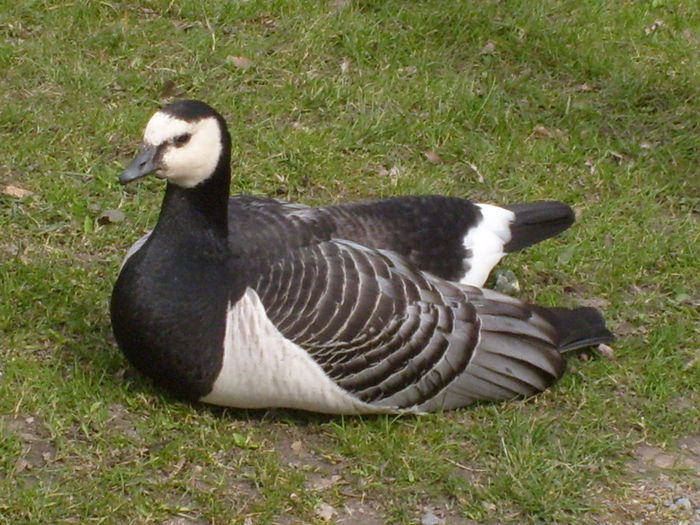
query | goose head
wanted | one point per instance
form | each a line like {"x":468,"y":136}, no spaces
{"x":185,"y":143}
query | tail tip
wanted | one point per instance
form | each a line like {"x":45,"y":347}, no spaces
{"x":579,"y":327}
{"x":537,"y":221}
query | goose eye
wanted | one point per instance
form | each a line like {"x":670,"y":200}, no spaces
{"x":181,"y":140}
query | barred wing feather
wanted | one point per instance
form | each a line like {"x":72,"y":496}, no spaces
{"x":399,"y":338}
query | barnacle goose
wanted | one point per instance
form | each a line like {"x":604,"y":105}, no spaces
{"x":369,"y":307}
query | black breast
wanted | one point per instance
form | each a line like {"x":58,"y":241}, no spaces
{"x":168,"y":314}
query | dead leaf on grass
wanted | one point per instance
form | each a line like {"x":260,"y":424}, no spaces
{"x":491,"y":507}
{"x":340,"y":5}
{"x":430,"y":518}
{"x":693,"y":362}
{"x":240,"y":62}
{"x":606,"y":351}
{"x":21,"y":465}
{"x":345,"y":66}
{"x":110,"y":217}
{"x":476,"y":171}
{"x":620,"y":158}
{"x":540,"y":132}
{"x":590,"y":164}
{"x":16,"y":192}
{"x":171,"y":90}
{"x":543,"y":132}
{"x":300,"y":127}
{"x":595,"y":302}
{"x":689,"y":35}
{"x":325,"y":511}
{"x":394,"y":173}
{"x":651,"y":28}
{"x":433,"y":157}
{"x":183,"y":25}
{"x":297,"y":447}
{"x":324,"y":483}
{"x":488,"y":49}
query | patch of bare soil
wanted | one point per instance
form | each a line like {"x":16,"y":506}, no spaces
{"x":37,"y":448}
{"x":181,"y":520}
{"x":342,"y":499}
{"x":328,"y":476}
{"x":662,"y":487}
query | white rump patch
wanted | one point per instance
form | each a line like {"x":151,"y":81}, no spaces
{"x":263,"y":369}
{"x":485,"y":241}
{"x":193,"y":162}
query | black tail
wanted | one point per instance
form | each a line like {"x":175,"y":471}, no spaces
{"x":537,"y":221}
{"x":577,"y":328}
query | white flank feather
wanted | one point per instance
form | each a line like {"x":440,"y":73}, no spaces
{"x":134,"y":248}
{"x":261,"y":368}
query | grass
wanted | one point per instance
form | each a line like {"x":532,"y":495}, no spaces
{"x":584,"y":102}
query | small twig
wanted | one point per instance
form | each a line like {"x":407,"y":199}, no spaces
{"x":464,"y":467}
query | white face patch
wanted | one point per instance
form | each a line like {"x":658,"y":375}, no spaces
{"x":193,"y":162}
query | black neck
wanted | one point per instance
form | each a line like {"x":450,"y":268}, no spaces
{"x":201,"y":211}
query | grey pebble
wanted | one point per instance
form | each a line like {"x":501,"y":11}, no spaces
{"x":431,"y":519}
{"x":682,"y":503}
{"x":506,"y":282}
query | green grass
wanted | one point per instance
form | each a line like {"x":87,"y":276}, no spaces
{"x":340,"y":104}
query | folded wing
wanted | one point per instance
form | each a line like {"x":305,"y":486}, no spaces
{"x":401,"y":339}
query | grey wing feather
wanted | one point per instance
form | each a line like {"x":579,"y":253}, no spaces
{"x":517,"y":355}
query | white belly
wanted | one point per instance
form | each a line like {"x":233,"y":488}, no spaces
{"x":262,"y":369}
